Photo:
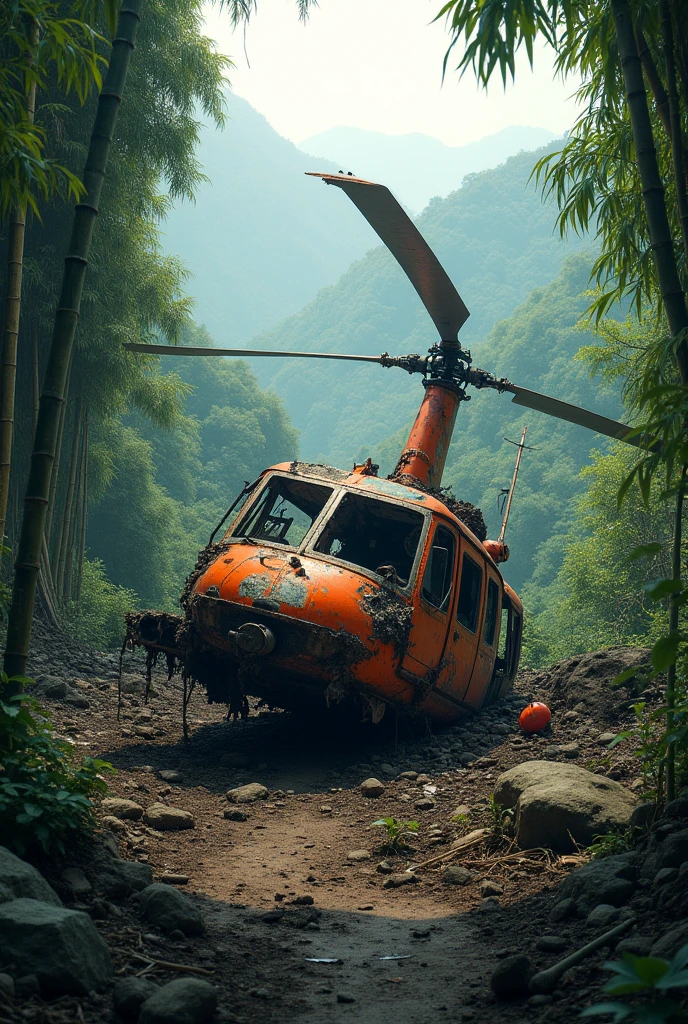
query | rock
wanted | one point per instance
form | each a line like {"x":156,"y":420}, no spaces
{"x":489,"y":888}
{"x":167,"y":909}
{"x":118,"y":879}
{"x":564,"y":910}
{"x":468,"y":757}
{"x":170,"y":775}
{"x":677,"y":808}
{"x":410,"y":776}
{"x":248,"y":794}
{"x":371,"y":788}
{"x":182,"y":1001}
{"x":643,"y":815}
{"x":125,"y":810}
{"x":423,"y":780}
{"x":326,"y":809}
{"x":551,"y":944}
{"x":606,"y":737}
{"x":557,"y":802}
{"x":20,"y":880}
{"x":358,"y":855}
{"x":570,"y":750}
{"x":610,"y":880}
{"x":235,"y":815}
{"x":603,"y":916}
{"x":454,"y":874}
{"x":424,"y":804}
{"x":461,"y":811}
{"x":61,"y":947}
{"x":113,"y":823}
{"x":168,"y":819}
{"x":28,"y":986}
{"x":511,"y":976}
{"x":129,"y":994}
{"x":385,"y":868}
{"x":132,"y":684}
{"x":665,"y":851}
{"x":77,"y":881}
{"x":638,"y":945}
{"x":402,"y":878}
{"x":74,"y":699}
{"x":53,"y":687}
{"x":669,"y":944}
{"x":170,"y":878}
{"x":343,"y":997}
{"x":7,"y":986}
{"x":665,"y":875}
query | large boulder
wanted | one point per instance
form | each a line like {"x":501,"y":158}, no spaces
{"x":166,"y":908}
{"x":62,"y":948}
{"x":20,"y":880}
{"x":182,"y":1001}
{"x":559,"y":805}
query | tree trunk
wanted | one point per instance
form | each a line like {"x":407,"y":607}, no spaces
{"x":10,"y":339}
{"x":55,"y":472}
{"x":43,"y":455}
{"x":676,"y":130}
{"x":653,"y":188}
{"x":673,"y":628}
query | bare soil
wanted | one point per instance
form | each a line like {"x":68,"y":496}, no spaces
{"x":278,"y":890}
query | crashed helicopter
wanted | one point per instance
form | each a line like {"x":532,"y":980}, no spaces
{"x":340,"y":589}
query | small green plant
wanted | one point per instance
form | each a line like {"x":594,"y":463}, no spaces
{"x":398,"y":832}
{"x":45,"y":790}
{"x":460,"y":819}
{"x":610,"y":843}
{"x":500,"y":818}
{"x":644,"y":974}
{"x":593,"y":763}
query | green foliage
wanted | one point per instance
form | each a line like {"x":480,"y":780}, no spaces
{"x":609,"y":844}
{"x":45,"y":790}
{"x":398,"y":832}
{"x":500,"y":818}
{"x":98,"y":619}
{"x":647,"y":975}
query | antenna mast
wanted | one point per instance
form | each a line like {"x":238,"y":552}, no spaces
{"x":521,"y":445}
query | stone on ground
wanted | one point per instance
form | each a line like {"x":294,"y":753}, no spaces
{"x":557,"y":802}
{"x":129,"y":994}
{"x":62,"y":948}
{"x":397,"y":880}
{"x":76,"y":881}
{"x":19,"y":879}
{"x":182,"y":1001}
{"x":371,"y":788}
{"x":611,"y":880}
{"x":454,"y":874}
{"x":511,"y":976}
{"x":168,"y":819}
{"x":248,"y":794}
{"x":358,"y":855}
{"x":163,"y":907}
{"x":122,"y":809}
{"x":117,"y":879}
{"x":170,"y":775}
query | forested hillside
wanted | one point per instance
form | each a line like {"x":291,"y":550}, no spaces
{"x":417,"y":167}
{"x":261,"y":238}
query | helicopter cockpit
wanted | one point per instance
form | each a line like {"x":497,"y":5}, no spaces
{"x":372,"y":533}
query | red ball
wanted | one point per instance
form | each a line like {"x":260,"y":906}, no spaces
{"x":534,"y":717}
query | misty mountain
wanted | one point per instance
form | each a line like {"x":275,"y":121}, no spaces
{"x":417,"y":167}
{"x":261,"y":238}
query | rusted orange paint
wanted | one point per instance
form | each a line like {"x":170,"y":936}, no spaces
{"x":425,"y":451}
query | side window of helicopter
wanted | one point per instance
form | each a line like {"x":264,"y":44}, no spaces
{"x":468,"y":608}
{"x":375,"y":534}
{"x":284,"y":512}
{"x":491,"y":613}
{"x":439,"y":571}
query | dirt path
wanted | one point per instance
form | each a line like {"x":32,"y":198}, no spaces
{"x":280,"y":888}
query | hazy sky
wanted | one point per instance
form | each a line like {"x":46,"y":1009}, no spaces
{"x":376,"y":64}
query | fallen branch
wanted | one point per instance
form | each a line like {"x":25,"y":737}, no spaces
{"x":165,"y":965}
{"x":464,"y":843}
{"x":546,"y":981}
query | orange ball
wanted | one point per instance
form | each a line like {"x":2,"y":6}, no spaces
{"x":534,"y":717}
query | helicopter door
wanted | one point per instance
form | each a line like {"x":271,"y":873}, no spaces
{"x":464,"y":636}
{"x":483,"y":688}
{"x":431,"y":614}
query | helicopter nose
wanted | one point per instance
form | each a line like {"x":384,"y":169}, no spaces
{"x":253,"y":638}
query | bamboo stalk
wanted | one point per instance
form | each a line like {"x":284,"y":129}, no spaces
{"x":61,"y":345}
{"x":674,"y":607}
{"x":84,"y":517}
{"x":55,"y":472}
{"x":63,"y":546}
{"x":75,"y":517}
{"x":10,"y":337}
{"x":653,"y":188}
{"x":675,"y":129}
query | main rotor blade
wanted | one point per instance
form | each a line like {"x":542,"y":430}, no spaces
{"x":574,"y":414}
{"x":409,"y":248}
{"x":181,"y":350}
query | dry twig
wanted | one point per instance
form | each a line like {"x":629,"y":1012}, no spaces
{"x":167,"y":966}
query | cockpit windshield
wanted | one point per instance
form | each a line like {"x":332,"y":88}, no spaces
{"x":284,"y":511}
{"x":374,"y":534}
